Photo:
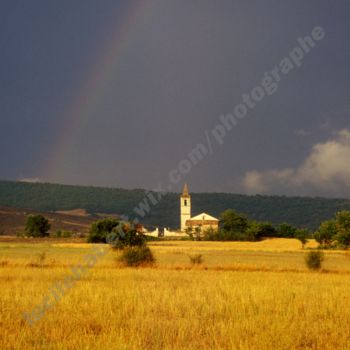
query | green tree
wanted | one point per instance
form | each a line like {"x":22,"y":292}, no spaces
{"x":37,"y":226}
{"x":189,"y":232}
{"x":266,"y":229}
{"x":302,"y":235}
{"x":101,"y":229}
{"x":286,"y":230}
{"x":343,"y":221}
{"x":230,"y":221}
{"x":326,"y":232}
{"x":253,"y":232}
{"x":343,"y":226}
{"x":211,"y":235}
{"x":343,"y":239}
{"x":197,"y":233}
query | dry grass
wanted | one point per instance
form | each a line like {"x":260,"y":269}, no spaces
{"x":272,"y":245}
{"x":241,"y":298}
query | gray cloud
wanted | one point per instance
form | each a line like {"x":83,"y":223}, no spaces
{"x":185,"y":64}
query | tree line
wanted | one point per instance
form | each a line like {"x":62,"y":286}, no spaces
{"x":334,"y":233}
{"x":298,"y":211}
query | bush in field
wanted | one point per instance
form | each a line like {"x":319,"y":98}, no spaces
{"x":58,"y":234}
{"x":37,"y":226}
{"x":101,"y":229}
{"x":130,"y":239}
{"x":39,"y":260}
{"x":196,"y":259}
{"x":63,"y":234}
{"x":137,"y":256}
{"x":126,"y":235}
{"x":314,"y":260}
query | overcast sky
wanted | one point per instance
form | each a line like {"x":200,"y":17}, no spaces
{"x":160,"y":75}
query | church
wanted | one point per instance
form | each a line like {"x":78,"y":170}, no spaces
{"x":202,"y":221}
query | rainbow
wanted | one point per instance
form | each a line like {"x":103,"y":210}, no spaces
{"x":95,"y":85}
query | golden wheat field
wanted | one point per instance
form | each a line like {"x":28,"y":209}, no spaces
{"x":243,"y":296}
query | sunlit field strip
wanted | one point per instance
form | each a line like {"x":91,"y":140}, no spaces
{"x":169,"y":309}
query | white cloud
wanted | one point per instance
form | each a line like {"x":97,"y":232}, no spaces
{"x":253,"y":182}
{"x":326,"y":171}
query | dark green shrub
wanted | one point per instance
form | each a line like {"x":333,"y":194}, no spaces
{"x":266,"y":229}
{"x":286,"y":230}
{"x":210,"y":235}
{"x":137,"y":256}
{"x":63,"y":234}
{"x":37,"y":226}
{"x":231,"y":221}
{"x":189,"y":232}
{"x":314,"y":259}
{"x":67,"y":234}
{"x":101,"y":229}
{"x":326,"y":232}
{"x":302,"y":235}
{"x":58,"y":233}
{"x":254,"y":232}
{"x":343,"y":239}
{"x":223,"y":236}
{"x":126,"y":235}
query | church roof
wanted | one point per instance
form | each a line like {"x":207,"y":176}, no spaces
{"x":185,"y":192}
{"x":203,"y":217}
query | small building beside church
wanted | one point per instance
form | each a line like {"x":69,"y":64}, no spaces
{"x":202,"y":221}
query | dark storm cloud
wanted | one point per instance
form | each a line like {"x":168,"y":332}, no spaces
{"x":188,"y":63}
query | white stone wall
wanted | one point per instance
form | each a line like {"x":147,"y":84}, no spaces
{"x":168,"y":233}
{"x":154,"y":233}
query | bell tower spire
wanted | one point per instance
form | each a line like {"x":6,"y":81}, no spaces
{"x":185,"y":192}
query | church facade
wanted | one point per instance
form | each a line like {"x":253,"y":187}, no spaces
{"x":202,"y":221}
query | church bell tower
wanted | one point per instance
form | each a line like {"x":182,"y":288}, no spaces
{"x":185,"y":207}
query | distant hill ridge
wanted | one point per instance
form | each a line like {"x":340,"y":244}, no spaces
{"x":300,"y":211}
